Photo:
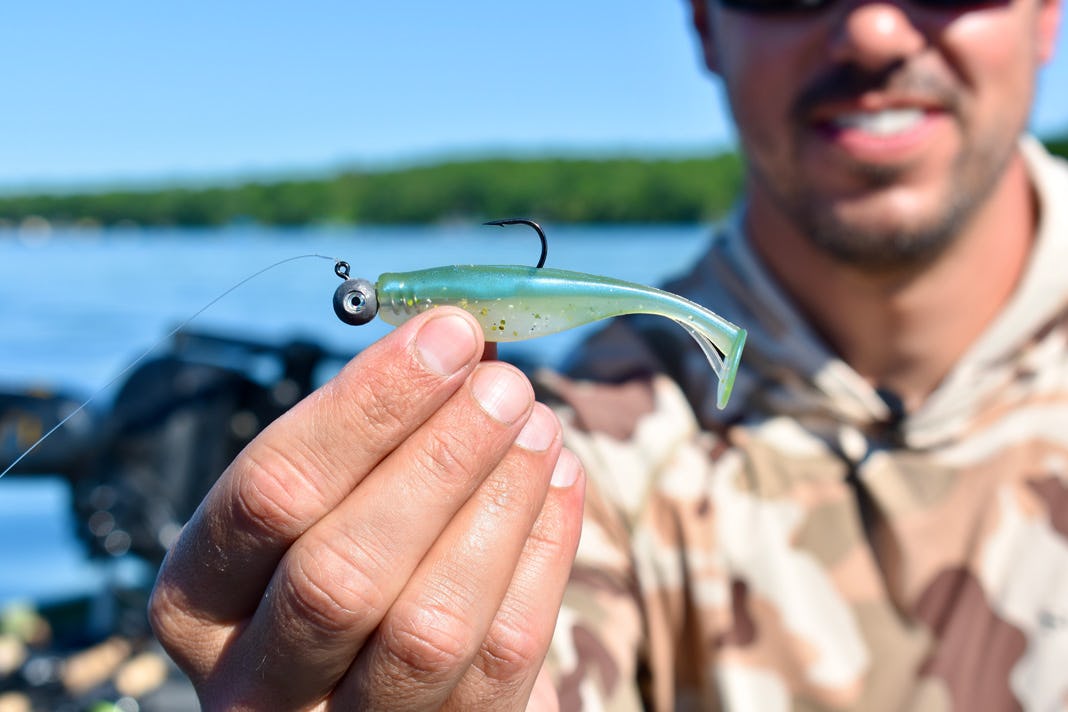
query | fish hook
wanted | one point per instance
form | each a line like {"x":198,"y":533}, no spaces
{"x":536,"y":226}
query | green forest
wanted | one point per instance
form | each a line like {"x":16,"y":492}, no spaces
{"x":577,"y":190}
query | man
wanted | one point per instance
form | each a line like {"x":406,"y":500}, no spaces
{"x":879,"y":520}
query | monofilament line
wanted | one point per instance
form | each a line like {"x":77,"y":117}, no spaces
{"x":130,"y":366}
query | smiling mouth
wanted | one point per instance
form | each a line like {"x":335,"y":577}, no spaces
{"x":887,"y":122}
{"x":896,"y":105}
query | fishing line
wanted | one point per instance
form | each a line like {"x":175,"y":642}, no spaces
{"x":130,"y":366}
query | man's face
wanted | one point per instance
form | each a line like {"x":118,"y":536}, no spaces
{"x":877,"y":126}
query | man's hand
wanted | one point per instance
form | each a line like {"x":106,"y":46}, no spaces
{"x":400,"y":539}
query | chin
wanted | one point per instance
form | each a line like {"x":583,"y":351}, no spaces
{"x":876,"y":240}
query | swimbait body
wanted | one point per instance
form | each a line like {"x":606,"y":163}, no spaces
{"x":514,"y":302}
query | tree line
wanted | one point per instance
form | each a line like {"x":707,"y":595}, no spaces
{"x":611,"y":190}
{"x":558,"y":189}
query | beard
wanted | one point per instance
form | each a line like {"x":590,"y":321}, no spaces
{"x":872,"y":243}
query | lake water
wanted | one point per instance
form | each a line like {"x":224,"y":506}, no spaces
{"x":77,"y":307}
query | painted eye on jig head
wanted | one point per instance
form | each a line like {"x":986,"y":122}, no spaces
{"x":515,"y":302}
{"x":355,"y":301}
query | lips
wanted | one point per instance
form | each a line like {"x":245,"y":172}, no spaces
{"x":881,"y":129}
{"x":875,"y":112}
{"x":885,"y":111}
{"x":886,"y":122}
{"x":854,"y":122}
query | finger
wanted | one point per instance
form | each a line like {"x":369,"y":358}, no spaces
{"x":511,"y":657}
{"x":489,"y":351}
{"x":543,"y":698}
{"x":338,"y":580}
{"x":306,"y":462}
{"x":436,"y":626}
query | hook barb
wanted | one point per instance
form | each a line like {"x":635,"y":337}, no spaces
{"x":531,"y":223}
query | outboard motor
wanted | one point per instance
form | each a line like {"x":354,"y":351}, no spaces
{"x":139,"y":471}
{"x":175,"y":425}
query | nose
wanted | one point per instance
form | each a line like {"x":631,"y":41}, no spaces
{"x":874,"y":34}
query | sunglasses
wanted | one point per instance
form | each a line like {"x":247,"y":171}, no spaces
{"x":810,"y":6}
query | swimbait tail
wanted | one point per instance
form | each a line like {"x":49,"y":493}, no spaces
{"x":514,"y":302}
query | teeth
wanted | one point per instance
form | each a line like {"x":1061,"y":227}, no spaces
{"x":881,"y":123}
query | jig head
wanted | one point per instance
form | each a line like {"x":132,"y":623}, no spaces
{"x":355,"y":301}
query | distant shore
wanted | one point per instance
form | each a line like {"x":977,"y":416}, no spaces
{"x":617,"y":190}
{"x":574,"y":190}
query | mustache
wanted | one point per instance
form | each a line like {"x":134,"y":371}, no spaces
{"x":848,"y":82}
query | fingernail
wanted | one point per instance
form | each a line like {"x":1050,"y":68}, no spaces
{"x":501,"y":391}
{"x":567,"y":469}
{"x":446,"y":344}
{"x":540,"y":429}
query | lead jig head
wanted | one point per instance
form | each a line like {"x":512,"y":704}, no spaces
{"x":355,"y":300}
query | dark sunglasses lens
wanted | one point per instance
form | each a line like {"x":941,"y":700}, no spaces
{"x":959,"y":4}
{"x":787,"y":6}
{"x":777,"y":5}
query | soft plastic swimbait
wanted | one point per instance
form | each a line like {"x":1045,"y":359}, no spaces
{"x":514,"y":302}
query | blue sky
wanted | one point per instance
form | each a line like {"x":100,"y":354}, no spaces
{"x":127,"y":91}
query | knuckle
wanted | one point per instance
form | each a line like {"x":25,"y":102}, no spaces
{"x":545,"y":543}
{"x":186,"y":639}
{"x":163,"y":616}
{"x":504,"y":496}
{"x":326,"y":591}
{"x":429,"y":644}
{"x":274,"y":496}
{"x":509,"y":651}
{"x":375,"y":402}
{"x":447,"y":456}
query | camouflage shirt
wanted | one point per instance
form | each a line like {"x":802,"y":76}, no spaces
{"x":813,"y":547}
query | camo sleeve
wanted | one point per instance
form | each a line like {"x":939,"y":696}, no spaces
{"x":622,"y":638}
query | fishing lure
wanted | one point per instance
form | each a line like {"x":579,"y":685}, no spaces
{"x":514,"y":302}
